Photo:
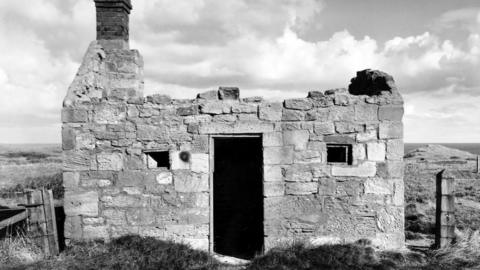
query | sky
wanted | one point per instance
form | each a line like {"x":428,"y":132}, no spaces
{"x":274,"y":48}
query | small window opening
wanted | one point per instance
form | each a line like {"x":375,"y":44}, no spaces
{"x":339,"y":153}
{"x":158,"y":159}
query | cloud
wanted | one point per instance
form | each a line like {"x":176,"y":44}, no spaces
{"x":264,"y":47}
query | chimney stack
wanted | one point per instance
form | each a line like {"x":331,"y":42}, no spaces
{"x":112,"y":22}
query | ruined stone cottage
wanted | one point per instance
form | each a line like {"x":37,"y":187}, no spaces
{"x":224,"y":173}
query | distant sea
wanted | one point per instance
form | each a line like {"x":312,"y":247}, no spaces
{"x":473,"y":148}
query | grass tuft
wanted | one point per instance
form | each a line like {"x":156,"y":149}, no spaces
{"x":464,"y":253}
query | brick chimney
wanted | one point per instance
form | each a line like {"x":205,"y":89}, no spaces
{"x":112,"y":22}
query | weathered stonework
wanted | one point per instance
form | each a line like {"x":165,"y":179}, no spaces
{"x":111,"y":190}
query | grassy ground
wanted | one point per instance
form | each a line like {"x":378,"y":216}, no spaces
{"x":30,"y":166}
{"x":134,"y":252}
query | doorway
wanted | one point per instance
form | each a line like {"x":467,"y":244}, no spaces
{"x":238,"y":196}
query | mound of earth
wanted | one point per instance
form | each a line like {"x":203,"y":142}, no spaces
{"x":433,"y":152}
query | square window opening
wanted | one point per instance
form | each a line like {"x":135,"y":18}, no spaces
{"x":339,"y":153}
{"x":158,"y":159}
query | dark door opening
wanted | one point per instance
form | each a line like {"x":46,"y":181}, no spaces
{"x":238,"y":197}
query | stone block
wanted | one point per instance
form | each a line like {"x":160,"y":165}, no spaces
{"x":208,"y":95}
{"x":292,"y":115}
{"x":341,"y":113}
{"x":271,"y":189}
{"x":228,"y":93}
{"x":75,"y":160}
{"x":185,"y":181}
{"x":308,"y":156}
{"x":390,"y":169}
{"x":324,"y":128}
{"x":376,"y":151}
{"x":391,"y":130}
{"x":131,"y":179}
{"x":348,"y":127}
{"x":195,"y":119}
{"x":299,"y":173}
{"x":216,"y":107}
{"x":150,"y":132}
{"x":390,"y":113}
{"x":140,"y":217}
{"x":297,"y":138}
{"x":95,"y":232}
{"x":110,"y":114}
{"x":303,"y":104}
{"x":200,"y":144}
{"x":301,"y":188}
{"x":270,"y":111}
{"x":176,"y":163}
{"x":71,"y":180}
{"x":68,"y":138}
{"x":224,"y":118}
{"x":124,"y":200}
{"x":358,"y":152}
{"x":395,"y":149}
{"x":159,"y":99}
{"x":85,"y":141}
{"x":278,"y":155}
{"x":369,"y":135}
{"x":272,"y":139}
{"x":154,"y":232}
{"x":378,"y":186}
{"x":239,"y":127}
{"x":186,"y":230}
{"x":199,"y":244}
{"x":187,"y":110}
{"x":164,"y":178}
{"x":398,"y":192}
{"x":93,"y":220}
{"x":327,"y":186}
{"x":365,"y":169}
{"x":110,"y":161}
{"x":73,"y":227}
{"x":244,"y":108}
{"x":74,"y":115}
{"x":200,"y":163}
{"x":81,"y":203}
{"x":114,"y":216}
{"x":343,"y":139}
{"x":320,"y":170}
{"x":366,"y":112}
{"x":272,"y":173}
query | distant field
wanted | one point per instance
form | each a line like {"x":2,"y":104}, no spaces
{"x":473,"y":148}
{"x":24,"y":163}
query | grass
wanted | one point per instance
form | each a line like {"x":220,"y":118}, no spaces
{"x":132,"y":253}
{"x":19,"y":249}
{"x":53,"y":182}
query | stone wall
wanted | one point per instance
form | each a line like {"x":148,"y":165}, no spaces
{"x":109,"y":127}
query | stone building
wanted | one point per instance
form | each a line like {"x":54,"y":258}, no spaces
{"x":223,"y":173}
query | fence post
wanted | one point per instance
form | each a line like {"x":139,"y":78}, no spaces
{"x":50,"y":222}
{"x":445,"y":210}
{"x":478,"y":163}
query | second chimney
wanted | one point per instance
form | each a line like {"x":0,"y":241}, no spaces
{"x":112,"y":21}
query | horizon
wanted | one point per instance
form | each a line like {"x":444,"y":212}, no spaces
{"x":276,"y":49}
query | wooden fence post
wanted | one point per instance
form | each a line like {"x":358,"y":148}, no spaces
{"x":445,"y":210}
{"x":51,"y":222}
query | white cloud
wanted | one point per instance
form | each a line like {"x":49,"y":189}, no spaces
{"x":260,"y":46}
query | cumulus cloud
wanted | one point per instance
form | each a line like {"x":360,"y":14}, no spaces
{"x":263,"y":47}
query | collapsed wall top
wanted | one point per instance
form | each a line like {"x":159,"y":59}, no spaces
{"x":372,"y":83}
{"x":112,"y":21}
